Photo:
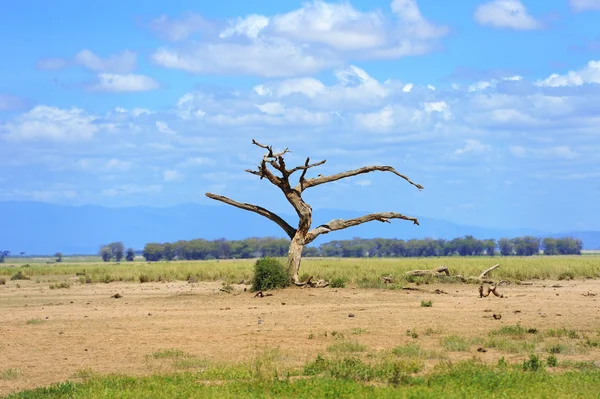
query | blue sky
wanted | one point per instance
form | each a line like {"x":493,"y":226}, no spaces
{"x":493,"y":106}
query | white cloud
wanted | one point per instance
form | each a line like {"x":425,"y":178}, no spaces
{"x":51,"y":123}
{"x":268,"y":57}
{"x":131,"y":189}
{"x":363,"y":183}
{"x":310,"y":87}
{"x":116,"y":83}
{"x":164,"y":128}
{"x":122,"y":62}
{"x":413,"y":23}
{"x":379,"y":120}
{"x":271,"y":108}
{"x":172,"y":175}
{"x":483,"y":84}
{"x":438,"y":106}
{"x":52,"y":63}
{"x":558,"y":152}
{"x":506,"y":14}
{"x":472,"y":146}
{"x":187,"y":109}
{"x":588,"y":74}
{"x":250,"y":26}
{"x":97,"y":165}
{"x":261,"y":90}
{"x":199,"y":161}
{"x":584,"y":5}
{"x":338,"y":25}
{"x":316,"y":36}
{"x":354,"y":86}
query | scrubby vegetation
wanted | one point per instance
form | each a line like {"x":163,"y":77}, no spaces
{"x":331,"y":377}
{"x":269,"y":273}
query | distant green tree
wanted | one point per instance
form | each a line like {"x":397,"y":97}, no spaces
{"x":153,"y":252}
{"x":526,"y":246}
{"x":506,"y":246}
{"x":117,"y":250}
{"x":130,"y":255}
{"x":106,"y":253}
{"x":169,"y":251}
{"x":569,"y":246}
{"x":550,"y":246}
{"x":58,"y":256}
{"x":3,"y":254}
{"x":490,"y":247}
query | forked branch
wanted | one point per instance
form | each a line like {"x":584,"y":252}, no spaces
{"x":339,"y":224}
{"x":289,"y":230}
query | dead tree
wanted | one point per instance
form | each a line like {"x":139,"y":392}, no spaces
{"x":273,"y":168}
{"x":437,"y":272}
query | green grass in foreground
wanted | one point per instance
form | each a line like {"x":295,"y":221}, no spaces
{"x":343,"y":379}
{"x":362,"y":272}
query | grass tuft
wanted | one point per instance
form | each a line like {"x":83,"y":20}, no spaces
{"x":9,"y":374}
{"x":346,"y":347}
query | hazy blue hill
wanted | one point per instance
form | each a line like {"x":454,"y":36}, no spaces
{"x":39,"y":228}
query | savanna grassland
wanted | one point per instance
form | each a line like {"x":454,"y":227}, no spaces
{"x":194,"y":329}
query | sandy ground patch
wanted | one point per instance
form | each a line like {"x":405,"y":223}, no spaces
{"x":49,"y":335}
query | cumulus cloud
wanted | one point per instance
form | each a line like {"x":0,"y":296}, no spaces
{"x":116,"y":83}
{"x":52,"y":63}
{"x":338,"y":25}
{"x":181,"y":28}
{"x":474,"y":146}
{"x":353,"y":87}
{"x":51,"y":123}
{"x":122,"y":62}
{"x":268,"y":57}
{"x":164,"y":128}
{"x":558,"y":152}
{"x":510,"y":14}
{"x":588,"y":74}
{"x":172,"y":175}
{"x":316,"y":36}
{"x":584,"y":5}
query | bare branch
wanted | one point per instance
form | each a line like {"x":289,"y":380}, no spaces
{"x":266,"y":147}
{"x":269,"y":148}
{"x":301,"y":180}
{"x":289,"y":230}
{"x":366,"y":169}
{"x":339,"y":224}
{"x":263,"y":171}
{"x":306,"y":167}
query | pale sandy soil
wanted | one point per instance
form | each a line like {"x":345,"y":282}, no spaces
{"x":84,"y":328}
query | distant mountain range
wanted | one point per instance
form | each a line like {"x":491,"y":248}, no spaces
{"x":40,"y":228}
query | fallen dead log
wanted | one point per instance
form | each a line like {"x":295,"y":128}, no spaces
{"x":311,"y":284}
{"x":482,"y":279}
{"x":439,"y":271}
{"x":490,"y":289}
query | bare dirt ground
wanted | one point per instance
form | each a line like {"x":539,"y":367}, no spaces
{"x":82,"y":327}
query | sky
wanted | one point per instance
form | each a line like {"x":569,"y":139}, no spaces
{"x":493,"y":106}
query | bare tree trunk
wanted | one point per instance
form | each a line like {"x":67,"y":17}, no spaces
{"x":294,"y":258}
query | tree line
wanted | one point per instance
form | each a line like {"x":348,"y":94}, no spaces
{"x":201,"y":249}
